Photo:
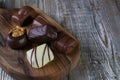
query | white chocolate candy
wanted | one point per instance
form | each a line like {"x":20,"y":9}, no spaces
{"x":39,"y":53}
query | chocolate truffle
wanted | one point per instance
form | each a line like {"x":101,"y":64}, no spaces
{"x":64,"y":43}
{"x":42,"y":34}
{"x":17,"y":38}
{"x":24,"y":16}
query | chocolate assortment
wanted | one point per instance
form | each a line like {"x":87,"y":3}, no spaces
{"x":39,"y":33}
{"x":36,"y":44}
{"x":24,"y":16}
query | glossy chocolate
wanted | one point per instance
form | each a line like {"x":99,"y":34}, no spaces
{"x":42,"y":34}
{"x":39,"y":21}
{"x":63,"y":43}
{"x":24,"y":16}
{"x":17,"y":42}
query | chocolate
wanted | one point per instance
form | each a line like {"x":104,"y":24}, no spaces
{"x":42,"y":34}
{"x":24,"y":16}
{"x":64,"y":43}
{"x":17,"y":38}
{"x":39,"y":21}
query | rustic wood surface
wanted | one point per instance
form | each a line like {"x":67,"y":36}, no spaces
{"x":96,"y":24}
{"x":16,"y":64}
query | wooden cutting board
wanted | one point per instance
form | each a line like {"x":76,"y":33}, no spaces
{"x":15,"y":63}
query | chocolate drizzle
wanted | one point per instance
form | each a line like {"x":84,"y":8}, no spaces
{"x":36,"y":58}
{"x":43,"y":55}
{"x":31,"y":56}
{"x":34,"y":51}
{"x":48,"y":53}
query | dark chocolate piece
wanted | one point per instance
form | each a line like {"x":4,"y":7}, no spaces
{"x":24,"y":16}
{"x":39,"y":21}
{"x":42,"y":34}
{"x":64,"y":43}
{"x":16,"y":39}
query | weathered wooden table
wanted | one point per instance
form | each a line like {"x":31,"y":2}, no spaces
{"x":96,"y":23}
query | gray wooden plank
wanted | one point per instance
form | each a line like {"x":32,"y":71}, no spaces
{"x":117,"y":3}
{"x":9,"y":3}
{"x":96,"y":24}
{"x":92,"y":21}
{"x":20,"y":3}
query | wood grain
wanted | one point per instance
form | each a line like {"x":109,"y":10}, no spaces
{"x":15,"y":62}
{"x":96,"y":24}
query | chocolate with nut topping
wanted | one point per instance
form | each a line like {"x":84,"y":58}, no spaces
{"x":17,"y":38}
{"x":24,"y":16}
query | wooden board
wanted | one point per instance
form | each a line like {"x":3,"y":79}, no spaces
{"x":15,"y":63}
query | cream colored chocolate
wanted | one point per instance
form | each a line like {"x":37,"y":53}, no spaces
{"x":39,"y":55}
